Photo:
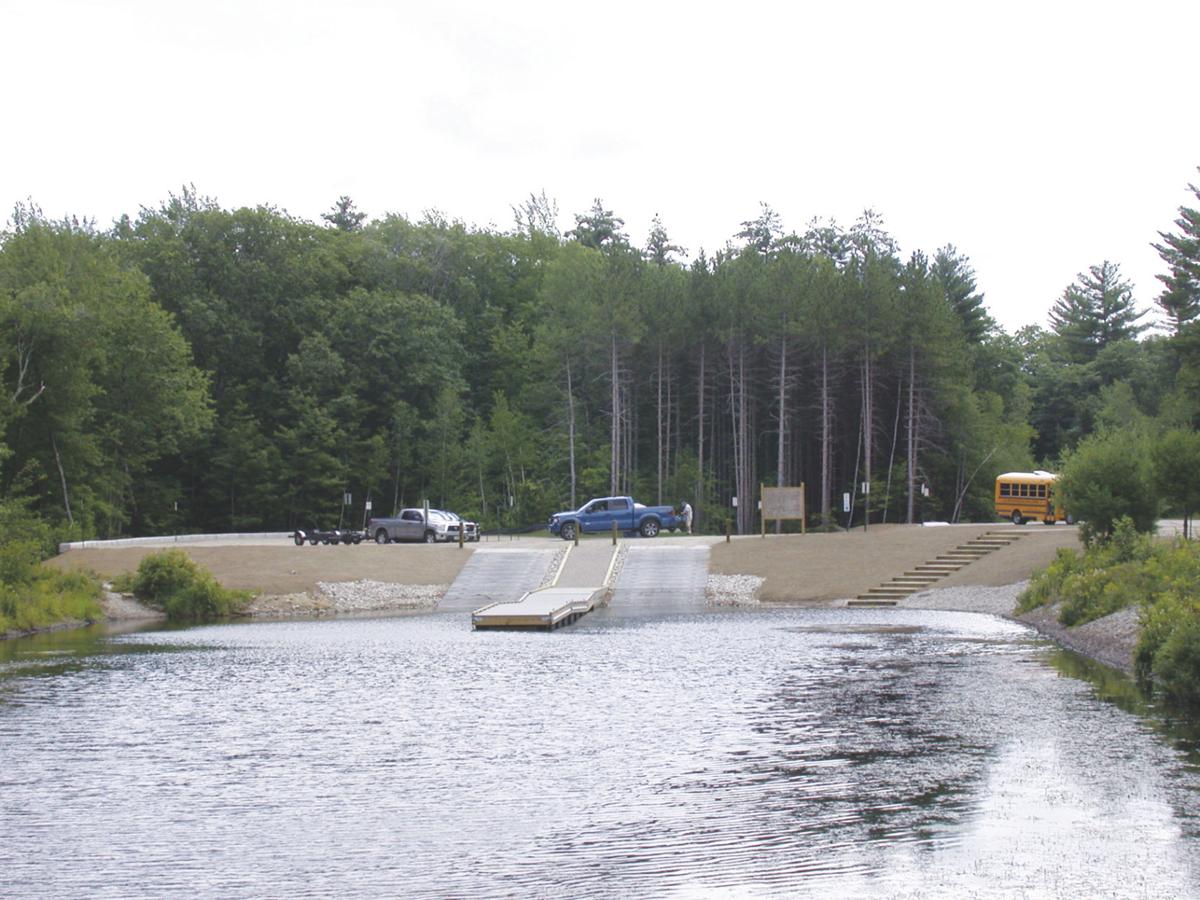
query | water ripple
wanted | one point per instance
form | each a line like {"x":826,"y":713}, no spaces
{"x":796,"y":753}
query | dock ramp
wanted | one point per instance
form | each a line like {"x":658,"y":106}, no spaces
{"x":498,"y":575}
{"x":547,"y":609}
{"x":661,"y":578}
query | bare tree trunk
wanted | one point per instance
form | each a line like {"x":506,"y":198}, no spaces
{"x":62,"y":478}
{"x":912,"y":431}
{"x":615,"y":377}
{"x":736,"y":434}
{"x":868,"y":427}
{"x":659,"y":435}
{"x":887,"y":493}
{"x":826,"y":439}
{"x":741,"y":429}
{"x":697,"y":513}
{"x":780,"y":471}
{"x":571,"y":432}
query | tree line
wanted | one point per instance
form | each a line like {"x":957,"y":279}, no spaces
{"x":201,"y":368}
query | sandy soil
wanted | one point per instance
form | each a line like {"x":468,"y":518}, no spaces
{"x":288,"y":569}
{"x":823,"y":567}
{"x":800,"y":570}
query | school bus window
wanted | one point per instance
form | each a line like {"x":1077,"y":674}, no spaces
{"x":1041,"y":490}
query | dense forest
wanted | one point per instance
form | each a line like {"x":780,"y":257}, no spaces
{"x":203,"y":369}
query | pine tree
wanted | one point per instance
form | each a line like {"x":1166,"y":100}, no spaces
{"x":1095,"y":311}
{"x":1180,"y":299}
{"x":957,"y":279}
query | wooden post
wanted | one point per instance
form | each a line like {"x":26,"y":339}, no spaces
{"x":803,"y":511}
{"x":576,"y":534}
{"x":461,"y":528}
{"x":614,"y":532}
{"x":727,"y":531}
{"x":762,"y":513}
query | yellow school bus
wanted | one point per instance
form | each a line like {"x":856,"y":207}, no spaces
{"x":1022,"y":496}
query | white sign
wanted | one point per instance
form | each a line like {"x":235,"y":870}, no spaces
{"x":347,"y":499}
{"x":735,"y":502}
{"x":368,"y":506}
{"x":846,"y":502}
{"x":866,"y":487}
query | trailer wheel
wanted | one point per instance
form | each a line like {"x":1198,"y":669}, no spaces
{"x":313,"y":541}
{"x":298,"y":537}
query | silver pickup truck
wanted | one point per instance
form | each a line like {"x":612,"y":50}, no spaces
{"x":411,"y":525}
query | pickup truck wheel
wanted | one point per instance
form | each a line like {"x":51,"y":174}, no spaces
{"x":430,"y":537}
{"x":381,"y":536}
{"x":567,"y":532}
{"x":649,"y":528}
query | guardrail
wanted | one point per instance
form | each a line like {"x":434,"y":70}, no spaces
{"x":169,"y":539}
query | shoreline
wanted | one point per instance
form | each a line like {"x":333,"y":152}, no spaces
{"x":1110,"y":641}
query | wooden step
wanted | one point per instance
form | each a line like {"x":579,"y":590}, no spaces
{"x":867,"y":602}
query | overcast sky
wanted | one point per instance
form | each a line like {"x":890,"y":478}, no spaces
{"x":1038,"y":138}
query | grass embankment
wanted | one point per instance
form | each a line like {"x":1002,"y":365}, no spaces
{"x":185,"y":591}
{"x":1130,"y":569}
{"x":34,"y":597}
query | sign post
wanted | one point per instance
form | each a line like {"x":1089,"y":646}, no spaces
{"x":781,"y":503}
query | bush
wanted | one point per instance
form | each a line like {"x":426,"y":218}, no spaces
{"x":1124,"y":569}
{"x":34,"y":596}
{"x":185,"y":591}
{"x":1105,"y":478}
{"x":1168,"y":650}
{"x":44,"y":597}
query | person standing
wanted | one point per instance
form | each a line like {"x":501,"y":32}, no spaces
{"x":687,"y":516}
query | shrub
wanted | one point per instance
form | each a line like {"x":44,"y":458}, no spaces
{"x":1105,"y":478}
{"x":1168,"y":650}
{"x":45,"y":597}
{"x":185,"y":591}
{"x":1045,"y":587}
{"x":1124,"y":569}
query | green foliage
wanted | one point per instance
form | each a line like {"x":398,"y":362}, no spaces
{"x":1096,"y":311}
{"x":1175,"y":462}
{"x":1111,"y":574}
{"x":186,"y":591}
{"x":213,"y":369}
{"x":1131,"y":569}
{"x":1105,"y":478}
{"x":32,"y":595}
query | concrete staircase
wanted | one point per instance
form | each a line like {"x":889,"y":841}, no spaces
{"x":922,"y":576}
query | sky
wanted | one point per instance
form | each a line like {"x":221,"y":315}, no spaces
{"x":1037,"y":138}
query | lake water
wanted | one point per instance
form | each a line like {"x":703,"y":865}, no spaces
{"x":761,"y":753}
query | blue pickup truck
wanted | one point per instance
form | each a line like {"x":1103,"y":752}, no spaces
{"x":600,"y":514}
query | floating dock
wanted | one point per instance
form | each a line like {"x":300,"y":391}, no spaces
{"x":544,"y":609}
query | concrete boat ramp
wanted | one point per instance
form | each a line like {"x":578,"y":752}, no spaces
{"x":630,"y":575}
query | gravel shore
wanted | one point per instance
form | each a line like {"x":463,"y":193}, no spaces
{"x":1110,"y":640}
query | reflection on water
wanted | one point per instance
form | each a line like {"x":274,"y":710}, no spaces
{"x":783,"y":752}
